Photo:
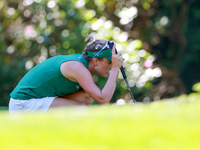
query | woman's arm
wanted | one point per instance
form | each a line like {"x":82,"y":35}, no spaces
{"x":77,"y":72}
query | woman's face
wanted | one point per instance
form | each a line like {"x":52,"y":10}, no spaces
{"x":104,"y":66}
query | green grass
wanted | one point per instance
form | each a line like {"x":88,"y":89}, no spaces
{"x":3,"y":108}
{"x":164,"y":125}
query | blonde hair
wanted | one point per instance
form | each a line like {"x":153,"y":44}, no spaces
{"x":92,"y":44}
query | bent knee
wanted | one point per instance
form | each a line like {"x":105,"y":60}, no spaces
{"x":80,"y":96}
{"x":87,"y":99}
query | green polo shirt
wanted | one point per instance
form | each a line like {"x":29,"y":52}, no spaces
{"x":46,"y":79}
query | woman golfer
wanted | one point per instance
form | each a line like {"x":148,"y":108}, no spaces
{"x":57,"y":81}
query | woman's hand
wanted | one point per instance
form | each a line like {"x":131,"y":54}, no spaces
{"x":116,"y":59}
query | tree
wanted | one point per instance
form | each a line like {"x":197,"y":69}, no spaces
{"x":149,"y":33}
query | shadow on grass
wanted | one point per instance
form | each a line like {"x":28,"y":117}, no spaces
{"x":3,"y":108}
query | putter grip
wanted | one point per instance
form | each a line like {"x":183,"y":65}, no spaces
{"x":122,"y":68}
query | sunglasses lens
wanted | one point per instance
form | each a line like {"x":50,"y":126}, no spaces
{"x":108,"y":45}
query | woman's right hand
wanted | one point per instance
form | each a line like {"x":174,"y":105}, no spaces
{"x":117,"y":61}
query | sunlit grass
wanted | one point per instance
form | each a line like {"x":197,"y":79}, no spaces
{"x":166,"y":125}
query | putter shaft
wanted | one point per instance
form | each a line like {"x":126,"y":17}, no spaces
{"x":125,"y":78}
{"x":130,"y":91}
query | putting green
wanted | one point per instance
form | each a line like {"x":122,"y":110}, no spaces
{"x":165,"y":125}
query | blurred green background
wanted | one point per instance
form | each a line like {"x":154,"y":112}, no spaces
{"x":159,"y":40}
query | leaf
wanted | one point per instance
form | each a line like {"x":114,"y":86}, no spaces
{"x":196,"y":87}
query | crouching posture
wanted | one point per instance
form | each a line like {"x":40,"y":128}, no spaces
{"x":57,"y":81}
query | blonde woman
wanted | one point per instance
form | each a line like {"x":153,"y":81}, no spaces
{"x":57,"y":81}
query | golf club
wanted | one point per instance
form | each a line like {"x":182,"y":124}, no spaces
{"x":124,"y":75}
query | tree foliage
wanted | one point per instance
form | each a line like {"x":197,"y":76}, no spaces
{"x":153,"y":36}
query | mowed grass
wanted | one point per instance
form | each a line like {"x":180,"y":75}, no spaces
{"x":164,"y":125}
